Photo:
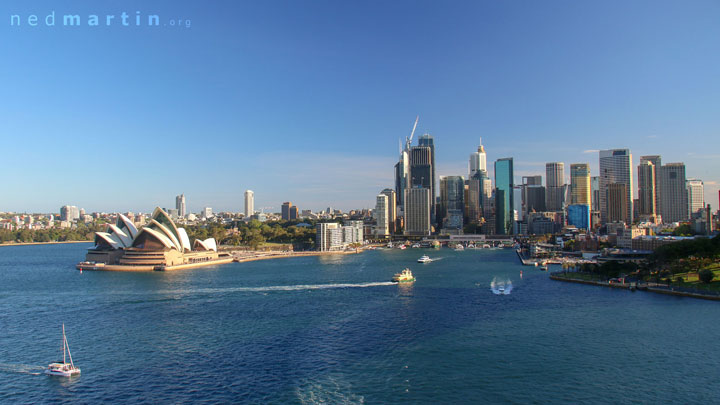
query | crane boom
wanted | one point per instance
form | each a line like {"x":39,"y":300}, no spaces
{"x":408,"y":141}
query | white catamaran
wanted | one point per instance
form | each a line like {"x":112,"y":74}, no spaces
{"x":63,"y":369}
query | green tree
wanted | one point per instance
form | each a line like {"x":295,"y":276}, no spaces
{"x":706,"y":276}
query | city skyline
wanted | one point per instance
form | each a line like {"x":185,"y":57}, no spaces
{"x":538,"y":84}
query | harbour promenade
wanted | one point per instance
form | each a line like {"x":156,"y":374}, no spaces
{"x":641,"y":286}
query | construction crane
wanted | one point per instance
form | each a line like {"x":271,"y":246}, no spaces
{"x":408,"y":141}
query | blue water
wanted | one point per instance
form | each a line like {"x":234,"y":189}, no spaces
{"x":332,"y":330}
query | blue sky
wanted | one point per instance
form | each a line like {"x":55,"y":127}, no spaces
{"x":305,"y":101}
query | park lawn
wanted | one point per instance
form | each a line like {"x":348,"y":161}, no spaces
{"x":693,"y":276}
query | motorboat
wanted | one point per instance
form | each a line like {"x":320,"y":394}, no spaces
{"x":404,"y":276}
{"x":425,"y":259}
{"x":459,"y":248}
{"x":63,"y":369}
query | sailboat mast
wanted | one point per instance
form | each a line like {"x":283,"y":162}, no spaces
{"x":64,"y":343}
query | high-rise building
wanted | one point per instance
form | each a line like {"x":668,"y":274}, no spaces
{"x":207,"y":212}
{"x":504,"y":201}
{"x":180,"y":205}
{"x":478,"y":161}
{"x":617,"y":203}
{"x":392,"y":209}
{"x":532,"y":195}
{"x":647,"y":191}
{"x":421,"y":171}
{"x":616,"y":168}
{"x":426,"y":140}
{"x":451,"y":202}
{"x":288,"y":211}
{"x":657,"y":164}
{"x":328,"y":237}
{"x":579,"y":216}
{"x":595,"y":192}
{"x":69,"y":213}
{"x":382,"y":227}
{"x":353,"y":231}
{"x":673,"y":193}
{"x":249,"y":203}
{"x":580,"y":184}
{"x":554,"y":186}
{"x":417,"y":211}
{"x":696,"y":196}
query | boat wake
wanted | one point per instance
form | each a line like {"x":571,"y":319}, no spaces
{"x":500,"y":286}
{"x":21,"y":369}
{"x":278,"y":288}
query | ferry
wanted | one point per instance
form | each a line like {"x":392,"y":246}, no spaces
{"x":405,"y":276}
{"x":63,"y":369}
{"x":425,"y":259}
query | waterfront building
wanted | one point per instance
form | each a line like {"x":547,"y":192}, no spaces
{"x":696,"y":196}
{"x":328,"y":237}
{"x":353,"y":231}
{"x":417,"y":211}
{"x":478,"y":161}
{"x":617,"y":203}
{"x":249,"y":203}
{"x":382,"y":223}
{"x":159,"y":243}
{"x":69,"y":213}
{"x":180,"y":205}
{"x":580,"y":184}
{"x":451,"y":206}
{"x":504,"y":199}
{"x":674,"y":196}
{"x":579,"y":216}
{"x":290,"y":212}
{"x":392,"y":209}
{"x":616,"y":168}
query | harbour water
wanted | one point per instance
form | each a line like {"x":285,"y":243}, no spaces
{"x":333,"y":329}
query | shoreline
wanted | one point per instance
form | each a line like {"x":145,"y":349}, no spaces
{"x":232,"y":257}
{"x":44,"y":243}
{"x":638,"y":288}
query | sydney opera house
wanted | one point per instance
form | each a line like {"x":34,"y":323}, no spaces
{"x":160,"y":245}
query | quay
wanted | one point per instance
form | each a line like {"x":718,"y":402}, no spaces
{"x":635,"y":286}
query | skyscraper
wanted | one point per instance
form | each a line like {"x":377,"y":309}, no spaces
{"x":616,"y":168}
{"x":580,"y":184}
{"x":382,"y":223}
{"x":617,"y":203}
{"x":417,"y":211}
{"x":657,"y":163}
{"x":451,"y":202}
{"x":478,"y":161}
{"x":428,"y":141}
{"x":504,"y":201}
{"x":696,"y":196}
{"x":674,"y":197}
{"x":289,"y":212}
{"x":554,"y":186}
{"x":392,"y":208}
{"x":249,"y":203}
{"x":595,"y":192}
{"x":533,"y":195}
{"x":180,"y":205}
{"x":647,"y":192}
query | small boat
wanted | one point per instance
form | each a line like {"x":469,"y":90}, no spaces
{"x":404,"y":276}
{"x":63,"y":369}
{"x":459,"y":248}
{"x":402,"y":247}
{"x":425,"y":259}
{"x":415,"y":246}
{"x":544,"y":267}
